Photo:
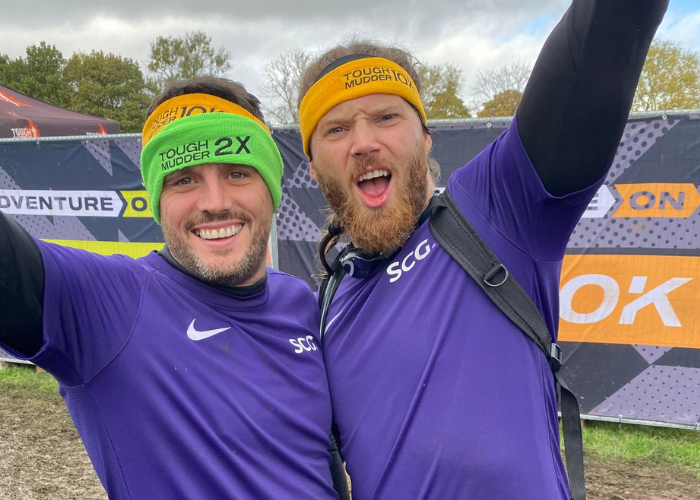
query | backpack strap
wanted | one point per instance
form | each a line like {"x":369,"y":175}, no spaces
{"x":326,"y":291}
{"x":459,"y":238}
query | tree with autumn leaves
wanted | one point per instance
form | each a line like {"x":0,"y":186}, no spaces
{"x":670,"y":79}
{"x":115,"y":87}
{"x":498,"y":91}
{"x":441,"y":85}
{"x":440,"y":88}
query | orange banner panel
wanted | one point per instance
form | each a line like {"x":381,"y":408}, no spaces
{"x":657,"y":200}
{"x":631,"y":299}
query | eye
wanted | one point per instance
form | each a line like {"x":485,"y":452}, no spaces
{"x":388,"y":117}
{"x":178,"y":180}
{"x":237,"y":175}
{"x":334,"y":130}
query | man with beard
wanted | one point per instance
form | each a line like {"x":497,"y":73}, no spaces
{"x":436,"y":394}
{"x":193,"y":372}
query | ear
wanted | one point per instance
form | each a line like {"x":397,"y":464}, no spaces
{"x":312,"y":171}
{"x":428,"y":141}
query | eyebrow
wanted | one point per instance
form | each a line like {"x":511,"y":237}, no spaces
{"x":182,"y":171}
{"x":377,"y":110}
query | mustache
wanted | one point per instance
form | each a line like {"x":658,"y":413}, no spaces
{"x":386,"y":228}
{"x":362,"y":164}
{"x":217,"y":217}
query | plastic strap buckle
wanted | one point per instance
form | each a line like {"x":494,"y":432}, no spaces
{"x":555,"y":357}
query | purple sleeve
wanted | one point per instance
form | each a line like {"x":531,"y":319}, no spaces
{"x":502,"y":186}
{"x":90,"y":302}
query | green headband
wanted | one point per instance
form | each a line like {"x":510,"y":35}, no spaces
{"x":210,"y":138}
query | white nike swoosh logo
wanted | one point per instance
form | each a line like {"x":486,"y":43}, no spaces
{"x":194,"y":334}
{"x":332,"y":320}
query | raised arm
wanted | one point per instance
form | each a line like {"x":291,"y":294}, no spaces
{"x":21,"y":289}
{"x":579,"y":96}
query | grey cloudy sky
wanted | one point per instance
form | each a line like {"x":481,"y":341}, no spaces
{"x":475,"y":35}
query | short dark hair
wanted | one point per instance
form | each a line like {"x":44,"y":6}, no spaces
{"x":219,"y":87}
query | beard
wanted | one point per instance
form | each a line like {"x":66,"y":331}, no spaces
{"x":383,"y":229}
{"x":226,"y":273}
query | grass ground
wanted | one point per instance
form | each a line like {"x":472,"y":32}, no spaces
{"x":28,"y":378}
{"x":42,"y":457}
{"x":655,"y":446}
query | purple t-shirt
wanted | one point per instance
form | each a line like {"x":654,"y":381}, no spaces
{"x":437,"y":395}
{"x":182,"y":391}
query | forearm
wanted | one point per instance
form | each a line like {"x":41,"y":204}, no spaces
{"x":21,"y":288}
{"x":579,"y":96}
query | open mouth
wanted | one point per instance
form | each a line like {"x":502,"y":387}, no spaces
{"x":374,"y":186}
{"x":217,"y":234}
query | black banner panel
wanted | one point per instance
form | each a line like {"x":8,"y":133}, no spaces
{"x":630,"y":324}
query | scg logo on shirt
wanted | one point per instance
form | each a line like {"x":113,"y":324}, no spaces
{"x":303,"y":344}
{"x":398,"y":268}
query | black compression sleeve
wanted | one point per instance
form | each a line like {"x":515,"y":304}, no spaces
{"x":21,"y":289}
{"x":577,"y":101}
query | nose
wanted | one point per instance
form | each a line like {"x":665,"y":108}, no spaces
{"x":213,"y":196}
{"x":364,"y":140}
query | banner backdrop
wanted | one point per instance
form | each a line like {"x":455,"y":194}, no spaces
{"x":630,"y":325}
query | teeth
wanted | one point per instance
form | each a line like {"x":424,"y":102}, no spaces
{"x":373,"y":174}
{"x":207,"y":234}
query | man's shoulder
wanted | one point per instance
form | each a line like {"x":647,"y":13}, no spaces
{"x":287,"y":282}
{"x":291,"y":297}
{"x":81,"y":273}
{"x":84,"y":260}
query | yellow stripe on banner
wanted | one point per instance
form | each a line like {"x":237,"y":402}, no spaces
{"x":132,"y":249}
{"x":137,"y":204}
{"x":631,"y":299}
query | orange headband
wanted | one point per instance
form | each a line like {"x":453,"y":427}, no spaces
{"x":358,"y":78}
{"x":188,"y":105}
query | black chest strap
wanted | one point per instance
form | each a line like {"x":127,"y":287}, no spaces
{"x":459,"y":238}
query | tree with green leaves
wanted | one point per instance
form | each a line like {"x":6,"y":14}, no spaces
{"x":4,"y":65}
{"x":110,"y":86}
{"x":440,"y":88}
{"x":670,"y":79}
{"x":281,"y":83}
{"x":39,"y":75}
{"x":186,"y":57}
{"x":503,"y":104}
